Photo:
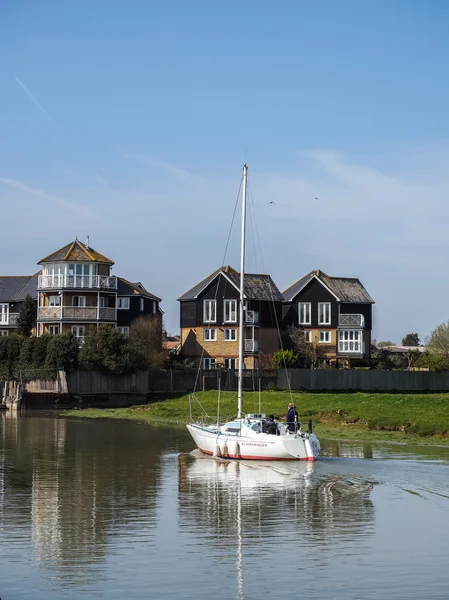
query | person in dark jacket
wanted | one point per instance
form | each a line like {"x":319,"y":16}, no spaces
{"x":270,"y":426}
{"x":291,"y":420}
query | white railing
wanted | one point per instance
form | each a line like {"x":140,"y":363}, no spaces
{"x":251,"y":317}
{"x":351,"y":320}
{"x":52,"y":282}
{"x":107,"y":313}
{"x":8,"y":318}
{"x":251,"y":345}
{"x":86,"y":313}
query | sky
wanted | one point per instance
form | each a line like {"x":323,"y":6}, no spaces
{"x":130,"y":122}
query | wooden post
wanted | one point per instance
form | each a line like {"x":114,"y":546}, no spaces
{"x":204,"y":383}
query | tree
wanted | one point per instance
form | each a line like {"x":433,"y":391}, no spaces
{"x":383,"y":344}
{"x":309,"y":352}
{"x":105,"y":349}
{"x":438,"y":341}
{"x":62,"y":352}
{"x":26,"y":320}
{"x":283,"y":359}
{"x":145,"y":338}
{"x":411,"y":339}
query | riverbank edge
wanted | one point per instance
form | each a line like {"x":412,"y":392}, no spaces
{"x":335,"y":416}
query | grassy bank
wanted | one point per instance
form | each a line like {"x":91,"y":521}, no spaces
{"x":397,"y":417}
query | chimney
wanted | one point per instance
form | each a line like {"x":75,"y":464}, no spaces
{"x":87,"y":241}
{"x":318,"y":273}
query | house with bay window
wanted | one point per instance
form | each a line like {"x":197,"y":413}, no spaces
{"x":209,"y":315}
{"x":13,"y":291}
{"x":77,"y":290}
{"x":335,"y":313}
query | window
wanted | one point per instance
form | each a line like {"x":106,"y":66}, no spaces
{"x":4,"y":313}
{"x":307,"y":336}
{"x":209,"y":363}
{"x":78,"y":300}
{"x":324,"y":337}
{"x":4,"y":332}
{"x":53,"y":329}
{"x":123,"y":303}
{"x":210,"y":311}
{"x":210,"y":335}
{"x":154,"y":307}
{"x":230,"y":335}
{"x":325,"y":363}
{"x":304,"y":313}
{"x":124,"y":331}
{"x":230,"y":311}
{"x":324,"y":313}
{"x":55,"y":300}
{"x":350,"y":340}
{"x":78,"y":331}
{"x":101,"y":300}
{"x":142,"y":305}
{"x":229,"y":363}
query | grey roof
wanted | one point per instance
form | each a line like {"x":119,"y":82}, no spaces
{"x":126,"y":288}
{"x":256,"y":286}
{"x":14,"y":288}
{"x":347,"y":289}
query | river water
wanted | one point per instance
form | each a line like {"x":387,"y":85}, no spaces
{"x":119,"y":509}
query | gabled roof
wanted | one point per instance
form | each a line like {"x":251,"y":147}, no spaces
{"x":126,"y":288}
{"x":256,"y":286}
{"x":345,"y":289}
{"x":15,"y":288}
{"x":76,"y":252}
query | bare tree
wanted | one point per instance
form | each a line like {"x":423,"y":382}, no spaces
{"x":145,"y":336}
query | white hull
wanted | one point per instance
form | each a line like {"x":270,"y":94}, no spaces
{"x":260,"y":446}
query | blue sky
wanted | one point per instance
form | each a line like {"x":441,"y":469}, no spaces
{"x":130,"y":122}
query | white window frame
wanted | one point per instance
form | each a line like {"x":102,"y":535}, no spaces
{"x":307,"y":335}
{"x":53,"y":329}
{"x":54,"y":300}
{"x":124,"y":331}
{"x":122,"y":303}
{"x":230,"y":363}
{"x":4,"y":332}
{"x":230,"y":335}
{"x":350,"y":341}
{"x":324,"y":336}
{"x":304,"y":313}
{"x":324,"y":313}
{"x":81,"y":301}
{"x":79,"y":331}
{"x":209,"y":334}
{"x":209,"y":363}
{"x":209,"y":311}
{"x":4,"y":313}
{"x":228,"y":311}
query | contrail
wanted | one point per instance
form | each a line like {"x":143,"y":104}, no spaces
{"x":33,"y":99}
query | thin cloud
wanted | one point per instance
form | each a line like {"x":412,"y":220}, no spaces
{"x":172,"y":170}
{"x":33,"y":99}
{"x":78,"y":209}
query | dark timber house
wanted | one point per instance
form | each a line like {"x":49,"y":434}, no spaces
{"x":210,"y":319}
{"x":13,"y":291}
{"x":76,"y":290}
{"x":335,"y":314}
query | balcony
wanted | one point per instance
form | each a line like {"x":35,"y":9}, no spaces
{"x":251,"y":346}
{"x":77,"y":282}
{"x":82,"y":313}
{"x":351,"y":321}
{"x":9,"y":318}
{"x":251,"y":317}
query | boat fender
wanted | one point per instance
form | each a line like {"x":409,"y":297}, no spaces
{"x":237,"y":450}
{"x":224,"y":450}
{"x":217,"y":451}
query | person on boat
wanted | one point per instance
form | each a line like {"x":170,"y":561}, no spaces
{"x":270,"y":426}
{"x":291,"y":419}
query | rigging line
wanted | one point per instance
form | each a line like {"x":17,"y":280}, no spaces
{"x":219,"y":278}
{"x":273,"y":306}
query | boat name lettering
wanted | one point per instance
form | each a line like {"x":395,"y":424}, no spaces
{"x":253,"y":444}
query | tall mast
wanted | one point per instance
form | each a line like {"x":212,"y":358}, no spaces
{"x":242,"y":295}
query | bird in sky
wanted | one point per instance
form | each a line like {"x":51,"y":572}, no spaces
{"x":316,"y":198}
{"x":272,"y":202}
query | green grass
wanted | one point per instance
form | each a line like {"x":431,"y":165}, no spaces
{"x":395,"y":417}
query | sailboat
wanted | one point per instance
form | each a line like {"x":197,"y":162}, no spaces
{"x":244,"y":437}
